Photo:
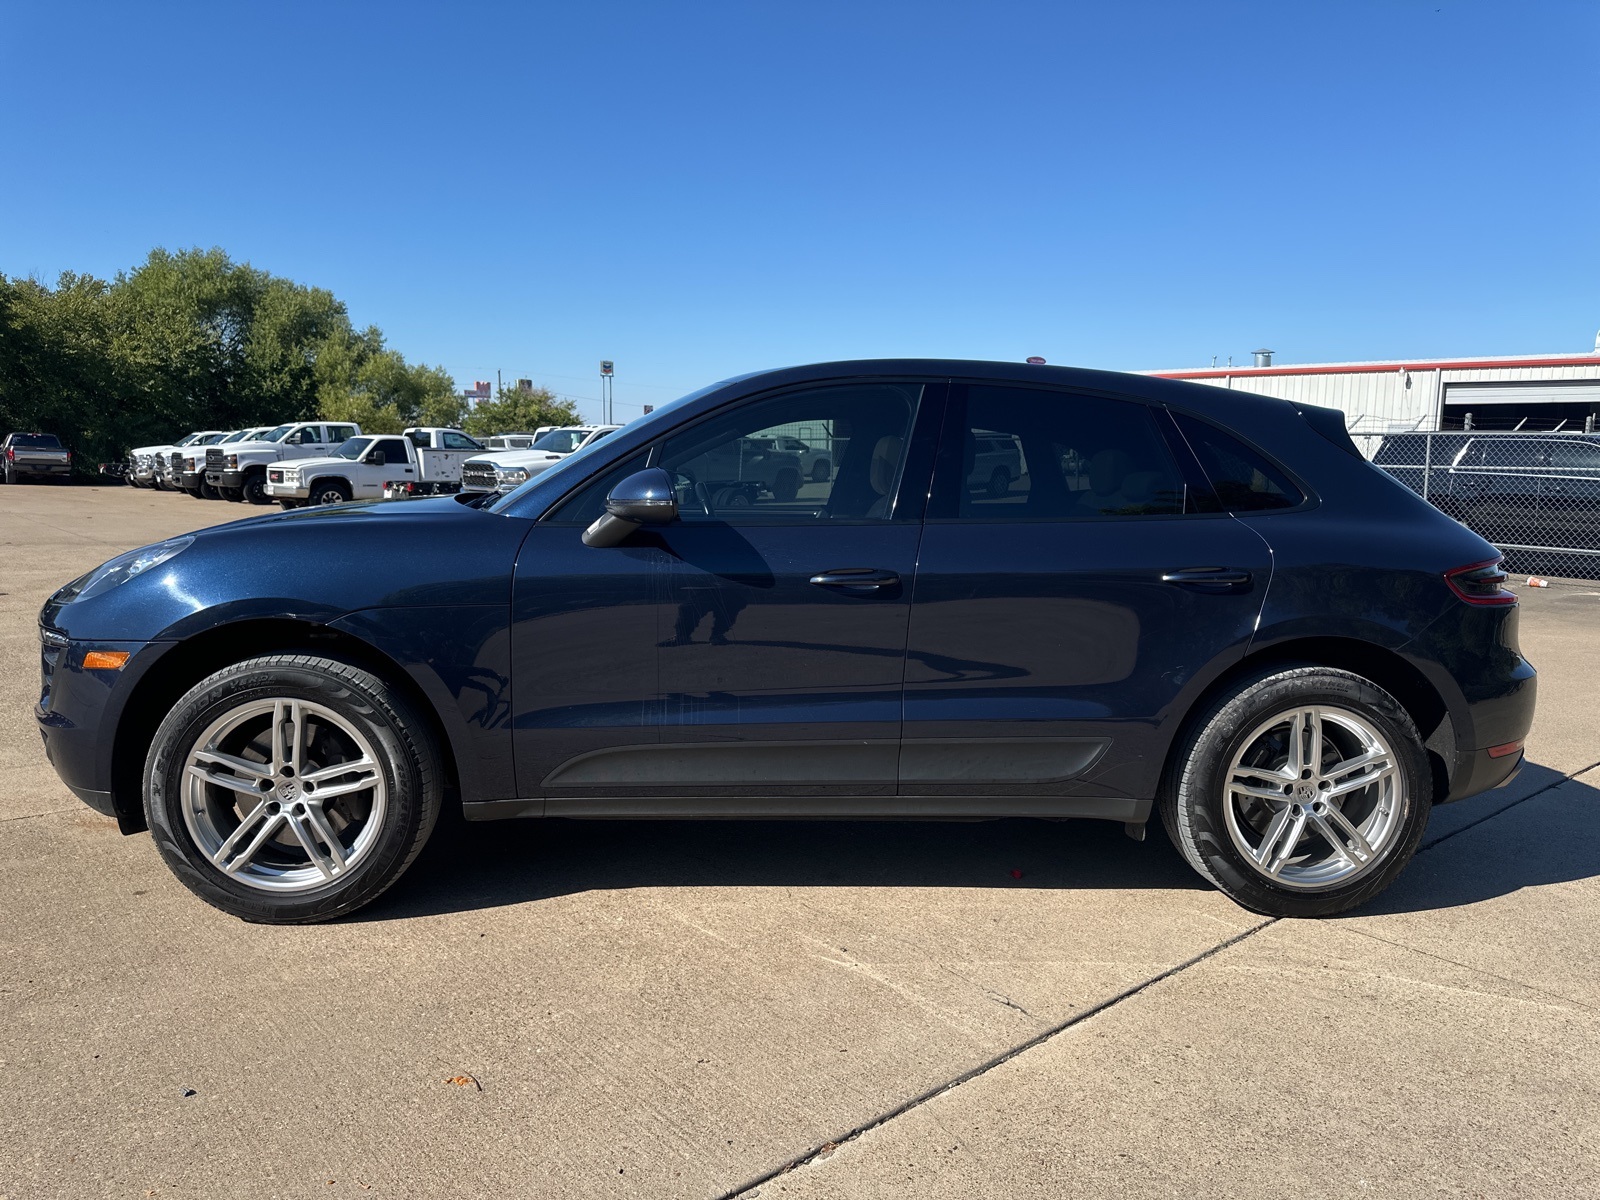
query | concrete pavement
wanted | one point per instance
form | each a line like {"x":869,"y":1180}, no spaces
{"x":707,"y":1009}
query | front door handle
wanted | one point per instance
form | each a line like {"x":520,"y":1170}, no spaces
{"x":856,"y":579}
{"x":1210,"y":579}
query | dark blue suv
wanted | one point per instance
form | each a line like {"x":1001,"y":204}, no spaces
{"x":1020,"y":591}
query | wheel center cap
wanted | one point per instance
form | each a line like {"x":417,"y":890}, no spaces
{"x":1304,"y":791}
{"x":288,"y":791}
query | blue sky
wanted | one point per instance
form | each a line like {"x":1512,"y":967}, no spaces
{"x":699,"y":189}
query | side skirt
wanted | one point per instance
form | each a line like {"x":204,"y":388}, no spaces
{"x":821,"y":808}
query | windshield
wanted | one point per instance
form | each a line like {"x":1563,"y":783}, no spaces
{"x":561,"y":441}
{"x":256,"y":436}
{"x":238,"y":435}
{"x":187,"y":440}
{"x":276,"y":435}
{"x":352,"y":448}
{"x":39,"y":441}
{"x":209,"y":439}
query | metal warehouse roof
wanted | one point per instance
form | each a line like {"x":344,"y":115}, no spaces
{"x":1395,"y":364}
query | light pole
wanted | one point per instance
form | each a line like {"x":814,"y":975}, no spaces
{"x":606,"y":377}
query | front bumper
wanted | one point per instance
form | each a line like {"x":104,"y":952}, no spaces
{"x":190,"y":481}
{"x":227,"y":479}
{"x":78,"y":712}
{"x":288,"y":491}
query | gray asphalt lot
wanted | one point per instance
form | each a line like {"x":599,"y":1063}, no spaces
{"x":701,"y":1010}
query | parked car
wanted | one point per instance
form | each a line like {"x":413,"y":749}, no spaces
{"x":425,"y":460}
{"x":503,"y":471}
{"x":188,"y":469}
{"x":1209,"y":607}
{"x":239,"y":472}
{"x":997,"y":463}
{"x":25,"y":456}
{"x":1521,"y":491}
{"x":146,"y":464}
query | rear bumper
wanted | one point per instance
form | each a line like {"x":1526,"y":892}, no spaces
{"x":35,"y":468}
{"x":1498,"y":720}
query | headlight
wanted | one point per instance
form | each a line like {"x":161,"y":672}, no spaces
{"x":510,"y":477}
{"x":125,"y":566}
{"x":233,"y":462}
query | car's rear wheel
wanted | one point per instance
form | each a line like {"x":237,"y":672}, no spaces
{"x":1302,"y":793}
{"x":291,"y":788}
{"x":821,"y":471}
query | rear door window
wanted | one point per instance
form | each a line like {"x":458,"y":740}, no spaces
{"x":1018,"y":453}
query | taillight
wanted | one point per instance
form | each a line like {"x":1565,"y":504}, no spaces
{"x":1481,"y":583}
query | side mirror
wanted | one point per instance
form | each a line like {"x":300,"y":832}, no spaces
{"x":378,"y":459}
{"x":644,"y":498}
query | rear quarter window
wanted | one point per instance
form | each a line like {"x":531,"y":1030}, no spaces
{"x":1244,"y":479}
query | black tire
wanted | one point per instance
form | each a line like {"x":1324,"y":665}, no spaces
{"x":207,"y":492}
{"x":786,"y":486}
{"x":404,"y":750}
{"x":329,"y":491}
{"x":255,"y":488}
{"x":1193,"y":800}
{"x":821,"y":472}
{"x":232,"y":495}
{"x":286,"y":505}
{"x":5,"y":474}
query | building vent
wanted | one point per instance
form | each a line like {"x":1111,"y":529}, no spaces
{"x":1263,"y":358}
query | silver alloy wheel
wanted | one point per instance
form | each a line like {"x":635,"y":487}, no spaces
{"x":283,"y":795}
{"x":1314,"y":797}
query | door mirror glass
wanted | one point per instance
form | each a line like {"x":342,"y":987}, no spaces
{"x":643,"y":498}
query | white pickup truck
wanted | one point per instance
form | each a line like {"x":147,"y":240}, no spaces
{"x":428,"y":459}
{"x":240,"y":472}
{"x":507,"y":469}
{"x":147,"y":464}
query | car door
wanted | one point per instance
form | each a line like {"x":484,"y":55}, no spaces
{"x":748,"y":657}
{"x":1075,"y":580}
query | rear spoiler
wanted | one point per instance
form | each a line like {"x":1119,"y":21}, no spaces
{"x":1329,"y":422}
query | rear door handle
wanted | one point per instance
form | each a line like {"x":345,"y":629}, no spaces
{"x":856,"y":579}
{"x":1210,"y":579}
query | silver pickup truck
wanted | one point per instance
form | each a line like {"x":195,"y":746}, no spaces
{"x":34,"y":455}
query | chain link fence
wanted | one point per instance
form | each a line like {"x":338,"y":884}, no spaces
{"x":1536,"y":496}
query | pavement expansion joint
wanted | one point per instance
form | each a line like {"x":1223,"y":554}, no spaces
{"x":825,"y":1149}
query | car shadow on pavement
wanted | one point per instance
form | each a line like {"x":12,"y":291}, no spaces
{"x":1491,"y":845}
{"x":471,"y":866}
{"x":468,"y":867}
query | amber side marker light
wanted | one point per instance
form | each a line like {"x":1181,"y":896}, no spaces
{"x":105,"y":660}
{"x":1506,"y":748}
{"x":1481,"y":583}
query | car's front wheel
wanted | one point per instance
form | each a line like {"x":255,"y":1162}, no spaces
{"x":291,"y":788}
{"x":1302,"y":793}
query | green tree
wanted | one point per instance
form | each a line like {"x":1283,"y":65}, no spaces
{"x":362,"y":380}
{"x":192,"y":340}
{"x":516,"y":411}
